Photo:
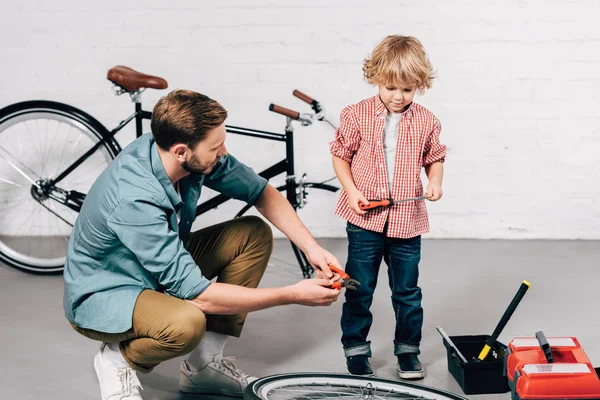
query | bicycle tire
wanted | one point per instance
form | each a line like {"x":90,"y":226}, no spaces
{"x":25,"y":242}
{"x":308,"y":386}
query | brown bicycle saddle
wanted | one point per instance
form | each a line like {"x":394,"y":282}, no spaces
{"x":131,"y":80}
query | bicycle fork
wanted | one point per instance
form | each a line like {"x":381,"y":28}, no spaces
{"x":292,"y":196}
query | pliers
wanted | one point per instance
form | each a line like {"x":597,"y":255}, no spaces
{"x":347,"y":282}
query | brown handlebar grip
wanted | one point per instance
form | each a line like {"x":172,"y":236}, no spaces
{"x":303,"y":97}
{"x":374,"y":204}
{"x":284,"y":111}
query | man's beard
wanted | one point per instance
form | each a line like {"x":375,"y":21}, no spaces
{"x":193,"y":166}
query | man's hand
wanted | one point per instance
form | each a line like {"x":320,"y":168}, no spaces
{"x":354,"y":197}
{"x":314,"y":292}
{"x":434,"y":192}
{"x":226,"y":298}
{"x":321,"y":259}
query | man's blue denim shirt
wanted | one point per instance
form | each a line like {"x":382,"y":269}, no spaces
{"x":127,"y":238}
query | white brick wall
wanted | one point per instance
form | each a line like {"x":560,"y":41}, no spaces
{"x":517,"y":89}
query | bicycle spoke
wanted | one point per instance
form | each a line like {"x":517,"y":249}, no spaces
{"x":25,"y":223}
{"x":17,"y":161}
{"x":53,"y":141}
{"x":9,"y":182}
{"x":10,"y":205}
{"x":77,"y":141}
{"x":55,"y":223}
{"x":60,"y":159}
{"x":30,"y":231}
{"x":44,"y":153}
{"x":8,"y":208}
{"x":42,"y":143}
{"x":48,"y":151}
{"x":16,"y":168}
{"x":31,"y":140}
{"x":18,"y":141}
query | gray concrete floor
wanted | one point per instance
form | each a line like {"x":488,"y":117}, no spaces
{"x":467,"y":285}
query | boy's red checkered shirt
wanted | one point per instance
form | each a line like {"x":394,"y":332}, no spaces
{"x":359,"y":140}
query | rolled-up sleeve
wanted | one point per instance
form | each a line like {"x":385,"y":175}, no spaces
{"x":236,"y":180}
{"x":347,"y":136}
{"x":142,"y":227}
{"x":434,"y":151}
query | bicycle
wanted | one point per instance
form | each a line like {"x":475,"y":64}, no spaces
{"x":319,"y":386}
{"x":55,"y":190}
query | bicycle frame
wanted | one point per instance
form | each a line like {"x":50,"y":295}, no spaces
{"x":74,"y":200}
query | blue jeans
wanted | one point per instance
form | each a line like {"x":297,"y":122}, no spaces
{"x":366,"y":249}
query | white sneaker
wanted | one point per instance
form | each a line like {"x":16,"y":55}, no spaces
{"x":117,"y":381}
{"x":219,"y":377}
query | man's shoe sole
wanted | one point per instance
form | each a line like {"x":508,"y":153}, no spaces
{"x":208,"y":390}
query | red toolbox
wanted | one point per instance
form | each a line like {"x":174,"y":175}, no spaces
{"x":553,"y":368}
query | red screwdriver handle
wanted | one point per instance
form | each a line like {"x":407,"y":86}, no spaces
{"x":375,"y":203}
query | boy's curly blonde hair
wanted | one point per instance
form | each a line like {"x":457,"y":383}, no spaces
{"x":399,"y":60}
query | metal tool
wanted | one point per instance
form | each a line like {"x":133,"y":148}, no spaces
{"x":503,"y":321}
{"x":451,"y":343}
{"x":347,"y":282}
{"x":545,"y":346}
{"x":387,"y":202}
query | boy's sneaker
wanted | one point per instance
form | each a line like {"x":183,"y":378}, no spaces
{"x":409,"y":366}
{"x":117,"y":381}
{"x":359,"y":365}
{"x":219,"y":377}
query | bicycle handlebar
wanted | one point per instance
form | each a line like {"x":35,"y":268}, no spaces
{"x":314,"y":104}
{"x":305,"y":98}
{"x":284,"y":111}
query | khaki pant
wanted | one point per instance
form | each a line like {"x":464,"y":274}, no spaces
{"x":165,"y":327}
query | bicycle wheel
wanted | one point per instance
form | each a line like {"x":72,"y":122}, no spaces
{"x":307,"y":386}
{"x":38,"y":141}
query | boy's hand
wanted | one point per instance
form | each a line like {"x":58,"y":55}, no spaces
{"x":434,"y":192}
{"x":354,"y":198}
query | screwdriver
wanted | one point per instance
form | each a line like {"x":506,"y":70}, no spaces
{"x":386,"y":202}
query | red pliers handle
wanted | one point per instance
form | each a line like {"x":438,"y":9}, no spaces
{"x":346,"y":282}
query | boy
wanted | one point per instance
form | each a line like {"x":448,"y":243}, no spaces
{"x":378,"y":152}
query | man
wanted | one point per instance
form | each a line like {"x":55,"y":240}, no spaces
{"x":137,"y":280}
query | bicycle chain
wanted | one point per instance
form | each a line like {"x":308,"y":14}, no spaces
{"x":48,"y":208}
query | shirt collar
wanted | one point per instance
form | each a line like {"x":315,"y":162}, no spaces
{"x":381,"y":110}
{"x":158,"y":169}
